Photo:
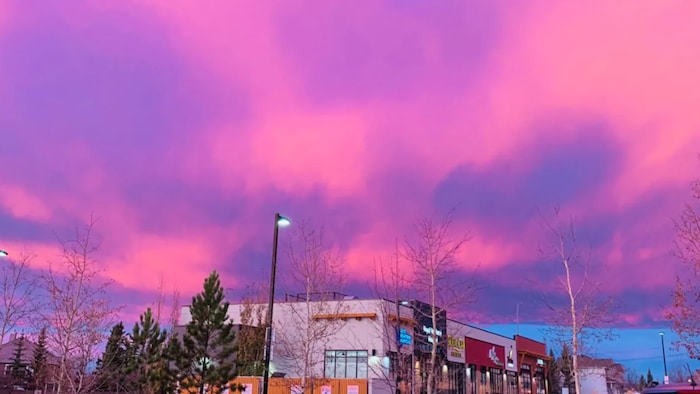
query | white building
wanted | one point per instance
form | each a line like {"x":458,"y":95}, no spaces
{"x":346,"y":339}
{"x":359,"y":339}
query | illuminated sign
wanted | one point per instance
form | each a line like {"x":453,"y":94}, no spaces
{"x":494,"y":357}
{"x":455,"y":349}
{"x":404,"y":337}
{"x":429,"y":331}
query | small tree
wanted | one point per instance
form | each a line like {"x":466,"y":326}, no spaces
{"x":112,"y":366}
{"x":251,"y":337}
{"x":566,"y":367}
{"x":19,"y":296}
{"x":391,"y":283}
{"x":19,"y":365}
{"x":686,"y":295}
{"x":678,"y":374}
{"x":553,"y":374}
{"x":585,"y":316}
{"x":632,"y":378}
{"x":39,"y":363}
{"x":79,"y":314}
{"x":145,"y":355}
{"x":317,"y":269}
{"x":650,"y":377}
{"x":437,"y":279}
{"x":204,"y":356}
{"x":642,"y":383}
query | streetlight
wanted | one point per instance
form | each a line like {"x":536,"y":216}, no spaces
{"x":280,"y":221}
{"x":663,"y":351}
{"x":3,"y":253}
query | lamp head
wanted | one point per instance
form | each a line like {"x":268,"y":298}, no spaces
{"x":661,"y":333}
{"x":3,"y":253}
{"x":283,"y":221}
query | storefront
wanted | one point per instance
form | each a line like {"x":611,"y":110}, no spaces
{"x":455,"y":381}
{"x":491,"y":366}
{"x":423,"y":335}
{"x":533,"y":361}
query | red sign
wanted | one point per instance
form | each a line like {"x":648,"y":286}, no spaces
{"x":485,"y":354}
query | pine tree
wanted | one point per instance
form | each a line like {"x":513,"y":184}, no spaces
{"x":146,"y":354}
{"x":39,"y":361}
{"x":205,"y":354}
{"x":566,"y":365}
{"x":111,"y":368}
{"x":553,"y":375}
{"x":650,"y":377}
{"x":19,"y":366}
{"x":642,"y":382}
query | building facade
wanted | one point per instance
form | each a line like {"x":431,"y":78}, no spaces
{"x":491,"y":367}
{"x":386,"y":344}
{"x":533,"y":361}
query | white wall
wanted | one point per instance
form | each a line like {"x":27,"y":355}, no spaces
{"x":371,"y":335}
{"x":593,"y":380}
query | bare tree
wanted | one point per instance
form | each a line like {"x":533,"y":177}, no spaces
{"x":317,"y":269}
{"x":160,"y":300}
{"x":584,"y":316}
{"x":78,"y":315}
{"x":19,"y":296}
{"x":174,"y":309}
{"x":251,"y":337}
{"x":439,"y":281}
{"x":678,"y":373}
{"x":686,"y":295}
{"x":391,"y":283}
{"x":159,"y":306}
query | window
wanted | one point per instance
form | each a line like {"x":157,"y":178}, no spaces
{"x":496,"y":381}
{"x":526,"y":379}
{"x":471,"y":379}
{"x":539,"y":380}
{"x":346,"y":364}
{"x":512,"y":383}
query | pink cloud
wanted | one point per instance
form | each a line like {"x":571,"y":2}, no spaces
{"x":307,"y":108}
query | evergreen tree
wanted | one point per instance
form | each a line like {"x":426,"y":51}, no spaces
{"x":39,"y":361}
{"x":642,"y":382}
{"x":146,"y":355}
{"x":650,"y":377}
{"x":566,"y":367}
{"x":205,"y":353}
{"x":19,"y":366}
{"x":111,"y":368}
{"x":553,"y":374}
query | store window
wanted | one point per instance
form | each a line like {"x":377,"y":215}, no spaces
{"x":471,"y":379}
{"x":539,"y":380}
{"x":496,"y":381}
{"x":346,"y":364}
{"x":525,"y":379}
{"x":484,"y":380}
{"x":512,"y":383}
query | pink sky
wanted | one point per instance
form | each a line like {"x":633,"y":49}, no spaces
{"x":185,"y":127}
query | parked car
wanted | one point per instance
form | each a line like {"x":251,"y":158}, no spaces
{"x":679,"y":388}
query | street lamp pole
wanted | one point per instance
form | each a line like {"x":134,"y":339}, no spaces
{"x":663,"y":352}
{"x":280,"y":221}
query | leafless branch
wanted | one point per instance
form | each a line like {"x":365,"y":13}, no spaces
{"x":78,"y":315}
{"x":586,"y":316}
{"x":19,"y":293}
{"x":317,"y":269}
{"x":686,"y":295}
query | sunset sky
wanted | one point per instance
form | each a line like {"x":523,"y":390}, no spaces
{"x":184,"y":126}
